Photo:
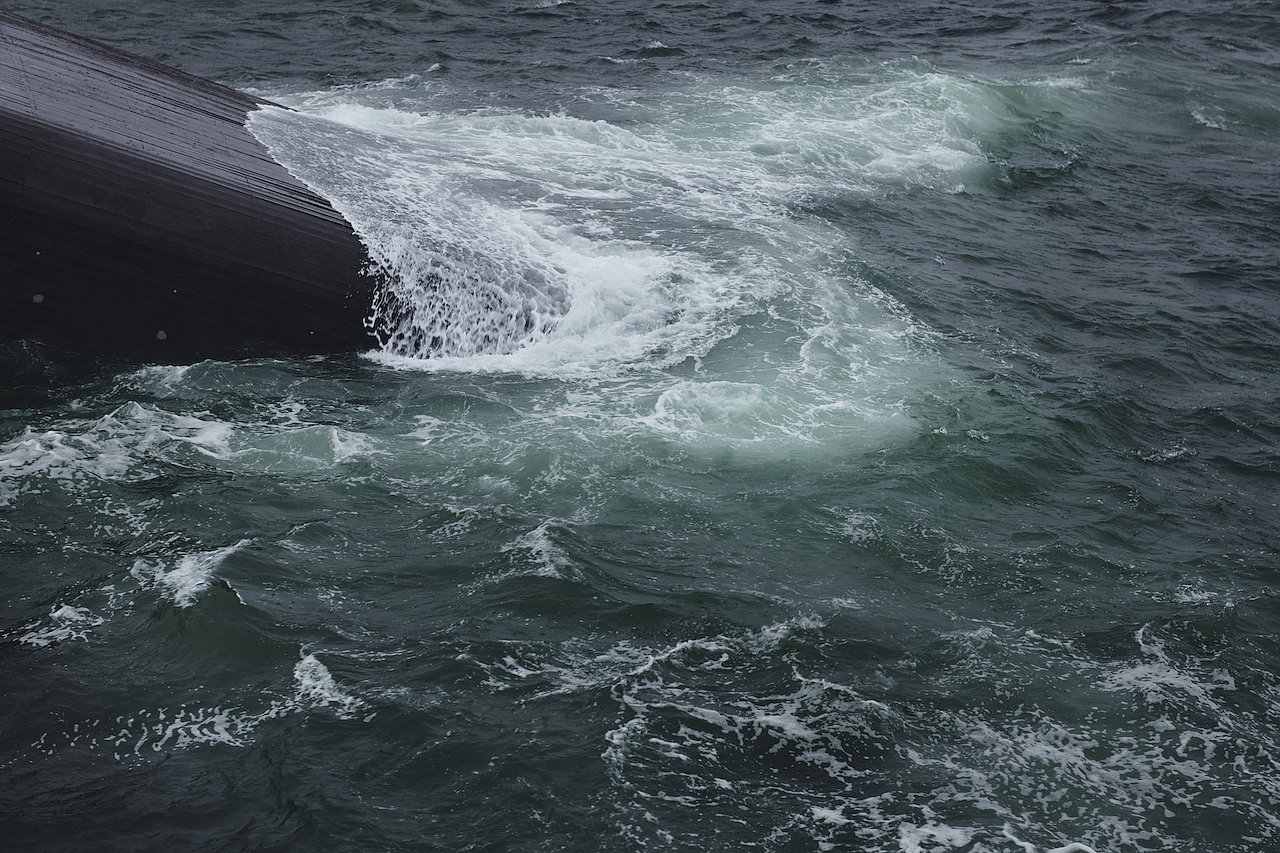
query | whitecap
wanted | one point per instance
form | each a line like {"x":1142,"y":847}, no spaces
{"x":316,"y":688}
{"x":65,"y":622}
{"x":190,"y":575}
{"x":539,"y":548}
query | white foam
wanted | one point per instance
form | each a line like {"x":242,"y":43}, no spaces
{"x":931,"y":837}
{"x":125,"y":444}
{"x":1073,"y":847}
{"x":1167,"y":454}
{"x":832,"y":816}
{"x":860,"y":527}
{"x":710,"y":726}
{"x":1209,"y":116}
{"x":163,"y":378}
{"x":465,"y":275}
{"x":116,"y":447}
{"x":516,"y":190}
{"x":619,"y":313}
{"x":316,"y":688}
{"x":92,"y":454}
{"x":548,"y":559}
{"x":682,"y":733}
{"x":189,"y":577}
{"x":677,"y":734}
{"x":731,"y":409}
{"x":65,"y":622}
{"x":1159,"y":680}
{"x":552,"y":246}
{"x":303,"y":447}
{"x":148,"y":731}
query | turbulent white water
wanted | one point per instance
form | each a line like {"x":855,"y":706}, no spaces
{"x":554,"y":246}
{"x":588,"y":243}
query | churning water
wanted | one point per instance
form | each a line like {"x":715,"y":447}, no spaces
{"x":797,"y":426}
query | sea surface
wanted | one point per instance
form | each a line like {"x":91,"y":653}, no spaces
{"x":799,"y":426}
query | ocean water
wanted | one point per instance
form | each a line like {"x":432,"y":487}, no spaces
{"x":798,"y":426}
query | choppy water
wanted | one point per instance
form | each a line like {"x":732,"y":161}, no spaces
{"x":846,"y":428}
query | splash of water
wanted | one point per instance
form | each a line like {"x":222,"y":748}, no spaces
{"x":456,"y":276}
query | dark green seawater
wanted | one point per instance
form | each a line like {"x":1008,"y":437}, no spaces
{"x":840,"y":426}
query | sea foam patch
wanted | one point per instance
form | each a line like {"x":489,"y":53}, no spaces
{"x":181,"y":580}
{"x":188,"y":577}
{"x":666,"y":223}
{"x":65,"y":622}
{"x":137,"y":442}
{"x":538,"y":551}
{"x":146,"y":732}
{"x":124,"y":445}
{"x":708,"y":728}
{"x":551,"y":246}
